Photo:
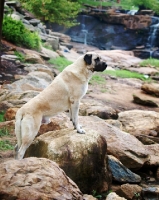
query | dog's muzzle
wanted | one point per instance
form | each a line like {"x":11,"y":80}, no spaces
{"x":100,"y":67}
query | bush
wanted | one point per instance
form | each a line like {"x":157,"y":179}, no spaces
{"x":14,"y":31}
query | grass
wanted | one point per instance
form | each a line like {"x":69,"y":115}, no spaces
{"x":97,"y":79}
{"x":6,"y":145}
{"x":150,"y":61}
{"x":125,"y":74}
{"x":2,"y":116}
{"x":4,"y":131}
{"x":60,"y":63}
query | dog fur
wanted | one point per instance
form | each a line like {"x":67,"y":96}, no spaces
{"x":64,"y":93}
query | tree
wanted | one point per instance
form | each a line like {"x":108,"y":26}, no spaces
{"x":147,"y":4}
{"x":1,"y":20}
{"x":62,"y":11}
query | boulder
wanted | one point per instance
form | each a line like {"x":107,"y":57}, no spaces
{"x":114,"y":196}
{"x":144,"y":101}
{"x":124,"y":146}
{"x":33,"y":81}
{"x":153,"y":151}
{"x":10,"y":114}
{"x":120,"y":173}
{"x":93,"y":107}
{"x":49,"y":53}
{"x":36,"y":178}
{"x":151,"y":88}
{"x":82,"y":157}
{"x":129,"y":191}
{"x":139,"y":121}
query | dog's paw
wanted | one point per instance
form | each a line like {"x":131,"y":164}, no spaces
{"x":81,"y":131}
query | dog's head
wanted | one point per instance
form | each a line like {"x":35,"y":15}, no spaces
{"x":94,"y":62}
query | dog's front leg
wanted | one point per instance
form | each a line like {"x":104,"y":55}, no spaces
{"x":74,"y":115}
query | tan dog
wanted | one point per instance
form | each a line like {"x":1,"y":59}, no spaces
{"x":64,"y":93}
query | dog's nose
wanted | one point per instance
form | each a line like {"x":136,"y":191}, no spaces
{"x":105,"y":64}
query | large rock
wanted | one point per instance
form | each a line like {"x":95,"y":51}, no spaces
{"x":36,"y":178}
{"x":153,"y":151}
{"x":93,"y":107}
{"x":151,"y":88}
{"x":124,"y":146}
{"x":120,"y":173}
{"x":139,"y":121}
{"x":36,"y":81}
{"x":82,"y":157}
{"x":114,"y":196}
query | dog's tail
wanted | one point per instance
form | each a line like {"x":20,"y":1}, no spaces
{"x":19,"y":117}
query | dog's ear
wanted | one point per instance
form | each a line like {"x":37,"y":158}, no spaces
{"x":88,"y":59}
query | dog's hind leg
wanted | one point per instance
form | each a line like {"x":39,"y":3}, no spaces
{"x":29,"y":129}
{"x":74,"y":112}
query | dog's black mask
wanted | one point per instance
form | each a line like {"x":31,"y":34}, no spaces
{"x":100,"y":66}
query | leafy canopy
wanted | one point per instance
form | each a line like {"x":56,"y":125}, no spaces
{"x":149,"y":4}
{"x":60,"y":11}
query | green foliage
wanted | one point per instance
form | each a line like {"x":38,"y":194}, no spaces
{"x":4,"y":132}
{"x":61,"y":11}
{"x":94,"y":194}
{"x":153,"y":4}
{"x":20,"y":56}
{"x":125,"y":74}
{"x":97,"y":79}
{"x":14,"y":31}
{"x":6,"y":145}
{"x":125,"y":4}
{"x":150,"y":62}
{"x":2,"y":116}
{"x":60,"y":62}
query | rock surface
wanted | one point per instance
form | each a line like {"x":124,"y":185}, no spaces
{"x":120,"y":173}
{"x":36,"y":178}
{"x":139,"y":121}
{"x":76,"y":154}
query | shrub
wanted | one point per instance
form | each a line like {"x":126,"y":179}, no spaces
{"x":15,"y":31}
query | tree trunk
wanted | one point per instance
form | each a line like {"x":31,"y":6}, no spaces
{"x":1,"y":20}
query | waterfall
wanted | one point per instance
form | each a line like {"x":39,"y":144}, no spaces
{"x":85,"y":36}
{"x":154,"y":31}
{"x":131,"y":12}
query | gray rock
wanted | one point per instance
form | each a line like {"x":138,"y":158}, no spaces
{"x":120,"y":173}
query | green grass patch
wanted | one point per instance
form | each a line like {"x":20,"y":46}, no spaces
{"x":150,"y":62}
{"x":60,"y":63}
{"x":97,"y":79}
{"x":4,"y":132}
{"x":6,"y":145}
{"x":20,"y":55}
{"x":125,"y":74}
{"x":2,"y":116}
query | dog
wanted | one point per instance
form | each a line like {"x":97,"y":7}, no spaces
{"x":64,"y":93}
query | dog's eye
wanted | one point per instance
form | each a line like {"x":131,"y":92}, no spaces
{"x":97,"y":59}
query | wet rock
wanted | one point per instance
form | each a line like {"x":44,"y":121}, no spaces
{"x":120,"y":173}
{"x":36,"y":178}
{"x":150,"y":192}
